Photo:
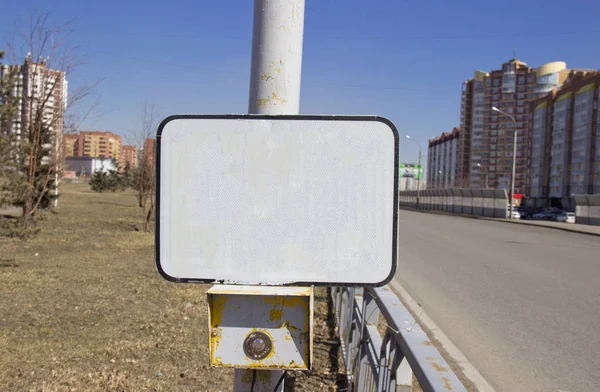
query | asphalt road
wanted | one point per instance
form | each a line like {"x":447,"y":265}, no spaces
{"x":522,"y":303}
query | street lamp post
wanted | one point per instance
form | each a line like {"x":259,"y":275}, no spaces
{"x":418,"y":169}
{"x":486,"y":175}
{"x":514,"y":160}
{"x":442,"y":174}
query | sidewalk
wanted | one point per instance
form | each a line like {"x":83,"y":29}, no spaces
{"x":570,"y":227}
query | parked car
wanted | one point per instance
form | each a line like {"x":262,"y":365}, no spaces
{"x":566,"y":217}
{"x":526,"y":212}
{"x":540,"y":215}
{"x":547,"y":214}
{"x":552,"y":215}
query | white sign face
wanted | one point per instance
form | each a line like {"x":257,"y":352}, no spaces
{"x":277,"y":200}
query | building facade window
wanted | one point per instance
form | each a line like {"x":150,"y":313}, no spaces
{"x":559,"y":152}
{"x":581,"y":142}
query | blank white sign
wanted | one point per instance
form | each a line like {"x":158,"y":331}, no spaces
{"x":277,"y":199}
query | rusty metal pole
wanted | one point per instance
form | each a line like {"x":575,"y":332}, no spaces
{"x":276,"y":57}
{"x":275,"y":77}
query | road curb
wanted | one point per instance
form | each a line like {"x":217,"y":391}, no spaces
{"x":469,"y":371}
{"x":516,"y":222}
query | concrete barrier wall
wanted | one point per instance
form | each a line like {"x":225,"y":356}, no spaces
{"x":456,"y":201}
{"x":447,"y":200}
{"x":500,"y":203}
{"x":582,"y":209}
{"x":481,"y":202}
{"x":587,"y":209}
{"x":594,"y":212}
{"x":477,"y":202}
{"x":439,"y":201}
{"x":488,"y":202}
{"x":467,"y":201}
{"x":594,"y":216}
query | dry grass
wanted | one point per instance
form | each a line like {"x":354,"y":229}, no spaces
{"x":83,"y":309}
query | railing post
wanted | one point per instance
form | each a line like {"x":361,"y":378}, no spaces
{"x":338,"y":300}
{"x":395,"y":372}
{"x":354,"y":335}
{"x":343,"y":302}
{"x":382,"y":376}
{"x":385,"y":359}
{"x":370,"y":316}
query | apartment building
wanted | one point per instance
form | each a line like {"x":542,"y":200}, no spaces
{"x":564,"y":142}
{"x":70,"y":145}
{"x":146,"y":155}
{"x":129,"y":155}
{"x":443,"y":160}
{"x":34,"y":86}
{"x":486,"y":140}
{"x":539,"y":146}
{"x":94,"y":144}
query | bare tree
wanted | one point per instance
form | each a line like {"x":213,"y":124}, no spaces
{"x":41,"y":92}
{"x":12,"y":180}
{"x":144,"y":176}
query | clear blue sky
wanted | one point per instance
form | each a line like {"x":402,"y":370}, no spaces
{"x":404,"y":60}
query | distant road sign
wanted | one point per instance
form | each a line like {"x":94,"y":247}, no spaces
{"x":411,"y":170}
{"x":277,"y":200}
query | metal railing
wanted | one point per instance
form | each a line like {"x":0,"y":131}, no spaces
{"x":376,"y":363}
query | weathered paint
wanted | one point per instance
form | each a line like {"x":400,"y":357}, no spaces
{"x":447,"y":384}
{"x":286,"y":319}
{"x":264,"y":377}
{"x":216,"y":310}
{"x":215,"y":315}
{"x":275,"y":314}
{"x":265,"y":380}
{"x":281,"y":302}
{"x":263,"y":102}
{"x":439,"y":368}
{"x":277,"y":39}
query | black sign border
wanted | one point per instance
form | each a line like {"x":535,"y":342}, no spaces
{"x":157,"y":165}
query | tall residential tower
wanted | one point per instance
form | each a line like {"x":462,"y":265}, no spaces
{"x":486,"y":141}
{"x":34,"y":86}
{"x":564,"y":143}
{"x":443,"y":160}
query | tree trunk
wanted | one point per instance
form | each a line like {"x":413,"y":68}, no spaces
{"x":149,"y":216}
{"x":27,"y":206}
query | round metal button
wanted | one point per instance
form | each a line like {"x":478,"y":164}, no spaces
{"x":257,"y":345}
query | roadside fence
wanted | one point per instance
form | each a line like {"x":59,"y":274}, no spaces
{"x":483,"y":202}
{"x":383,"y":345}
